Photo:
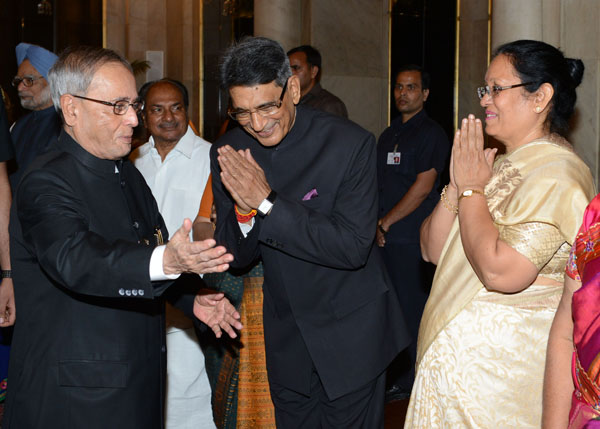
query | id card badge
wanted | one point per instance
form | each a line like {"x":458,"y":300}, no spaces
{"x":393,"y":158}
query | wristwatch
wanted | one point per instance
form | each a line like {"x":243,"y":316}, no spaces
{"x":267,"y":204}
{"x":469,"y":193}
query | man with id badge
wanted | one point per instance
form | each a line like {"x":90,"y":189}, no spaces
{"x":411,"y":154}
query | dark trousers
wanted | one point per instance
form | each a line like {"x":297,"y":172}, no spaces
{"x":412,"y":277}
{"x":361,"y":409}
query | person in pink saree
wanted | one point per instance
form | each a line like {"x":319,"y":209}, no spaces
{"x":572,"y":382}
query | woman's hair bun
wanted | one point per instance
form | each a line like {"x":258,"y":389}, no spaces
{"x":575,"y":67}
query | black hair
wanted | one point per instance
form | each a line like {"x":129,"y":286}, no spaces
{"x":254,"y":61}
{"x":313,"y":56}
{"x":540,"y":63}
{"x":145,"y":88}
{"x":425,"y":77}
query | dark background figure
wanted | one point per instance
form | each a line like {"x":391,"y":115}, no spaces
{"x":305,"y":62}
{"x":7,"y":301}
{"x":36,"y":132}
{"x":411,"y":154}
{"x":332,"y":320}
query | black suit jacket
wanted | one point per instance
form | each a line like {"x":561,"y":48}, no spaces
{"x":327,"y":296}
{"x":88,"y":349}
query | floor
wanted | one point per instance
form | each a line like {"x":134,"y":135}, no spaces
{"x":395,"y":412}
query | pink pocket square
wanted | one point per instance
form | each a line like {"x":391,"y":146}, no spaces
{"x":310,"y":195}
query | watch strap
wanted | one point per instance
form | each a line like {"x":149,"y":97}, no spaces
{"x":267,"y":204}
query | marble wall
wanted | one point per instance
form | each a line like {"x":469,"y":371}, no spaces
{"x":472,"y":57}
{"x":134,"y":27}
{"x":580,"y":38}
{"x":355,"y":52}
{"x":282,"y":18}
{"x":572,"y":26}
{"x":352,"y":37}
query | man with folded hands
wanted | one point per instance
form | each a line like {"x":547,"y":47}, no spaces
{"x":297,"y":187}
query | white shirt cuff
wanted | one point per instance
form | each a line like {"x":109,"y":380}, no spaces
{"x":156,"y":265}
{"x":246,"y":227}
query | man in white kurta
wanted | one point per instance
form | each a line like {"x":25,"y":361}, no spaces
{"x":176,"y":165}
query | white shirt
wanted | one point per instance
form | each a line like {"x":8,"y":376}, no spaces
{"x":177,"y":183}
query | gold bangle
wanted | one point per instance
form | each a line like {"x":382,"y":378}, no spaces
{"x":446,"y":202}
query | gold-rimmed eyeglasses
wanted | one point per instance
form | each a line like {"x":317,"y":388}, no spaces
{"x":119,"y":107}
{"x":264,"y":110}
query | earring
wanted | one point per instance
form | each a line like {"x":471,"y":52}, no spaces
{"x":538,"y":109}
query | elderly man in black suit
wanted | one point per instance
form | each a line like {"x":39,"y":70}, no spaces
{"x":90,"y":267}
{"x":297,"y":187}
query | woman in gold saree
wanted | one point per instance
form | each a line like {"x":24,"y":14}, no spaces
{"x":500,"y":238}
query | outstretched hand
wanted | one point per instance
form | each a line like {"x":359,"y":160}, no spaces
{"x":217,"y":312}
{"x":200,"y":257}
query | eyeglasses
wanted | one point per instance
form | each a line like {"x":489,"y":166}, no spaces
{"x":27,"y":80}
{"x":495,"y":90}
{"x":119,"y":107}
{"x":264,"y":110}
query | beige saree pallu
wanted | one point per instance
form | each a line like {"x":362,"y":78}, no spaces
{"x":481,"y":354}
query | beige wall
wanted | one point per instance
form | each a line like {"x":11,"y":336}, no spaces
{"x":472,"y":57}
{"x":572,"y":26}
{"x":352,"y":36}
{"x":580,"y":38}
{"x":355,"y":53}
{"x":171,"y":26}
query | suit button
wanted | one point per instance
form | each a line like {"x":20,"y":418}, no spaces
{"x":163,"y":349}
{"x":134,"y":292}
{"x":136,"y":225}
{"x":121,"y":291}
{"x":122,"y":183}
{"x":128,"y":292}
{"x":141,"y":292}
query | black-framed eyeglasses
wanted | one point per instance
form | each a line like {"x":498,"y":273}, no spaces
{"x":495,"y":90}
{"x":27,"y":80}
{"x":264,"y":110}
{"x":119,"y":107}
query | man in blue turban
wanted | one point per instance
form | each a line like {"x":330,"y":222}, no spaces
{"x":33,"y":134}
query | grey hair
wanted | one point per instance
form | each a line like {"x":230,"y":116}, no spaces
{"x":75,"y":68}
{"x":254,"y":61}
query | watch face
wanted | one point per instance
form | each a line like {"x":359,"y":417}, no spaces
{"x":468,"y":193}
{"x":265,"y":207}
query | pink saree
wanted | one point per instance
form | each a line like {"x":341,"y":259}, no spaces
{"x":584,"y":265}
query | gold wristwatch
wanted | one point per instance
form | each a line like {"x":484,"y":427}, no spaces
{"x":470,"y":193}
